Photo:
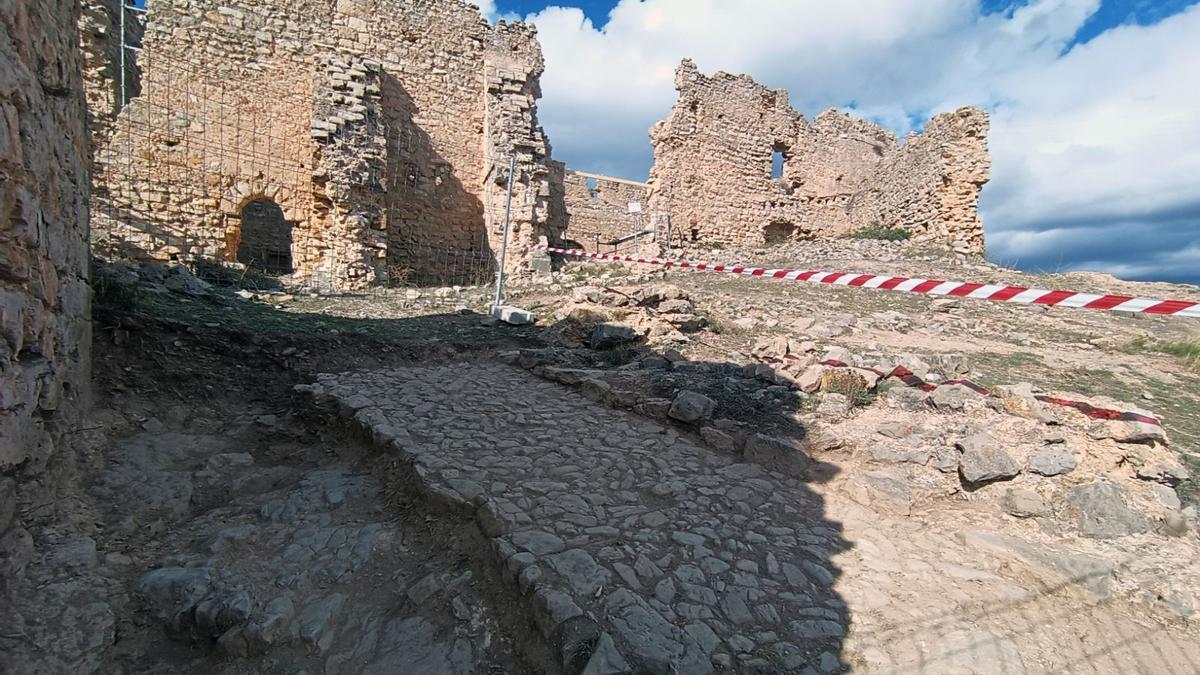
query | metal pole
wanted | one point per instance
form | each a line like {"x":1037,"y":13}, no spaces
{"x":121,"y":9}
{"x":512,"y":164}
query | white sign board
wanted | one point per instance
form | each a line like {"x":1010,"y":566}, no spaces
{"x":635,"y":207}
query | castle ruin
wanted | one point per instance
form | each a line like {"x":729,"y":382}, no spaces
{"x":595,"y":211}
{"x":358,"y":142}
{"x":735,"y":163}
{"x":351,"y":141}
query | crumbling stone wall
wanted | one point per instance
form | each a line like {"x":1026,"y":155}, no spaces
{"x":45,"y":328}
{"x":100,"y":29}
{"x":596,"y":208}
{"x":713,"y":169}
{"x":513,"y":65}
{"x":382,"y":128}
{"x":930,"y":185}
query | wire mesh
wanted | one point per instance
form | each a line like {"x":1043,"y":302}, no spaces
{"x":223,"y":167}
{"x":192,"y":150}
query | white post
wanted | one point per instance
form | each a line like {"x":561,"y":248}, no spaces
{"x":512,"y":164}
{"x":121,"y":9}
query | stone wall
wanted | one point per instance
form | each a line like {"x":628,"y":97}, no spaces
{"x":596,"y":209}
{"x":382,"y":128}
{"x":100,"y":29}
{"x":713,"y":164}
{"x":930,"y":185}
{"x":45,"y":328}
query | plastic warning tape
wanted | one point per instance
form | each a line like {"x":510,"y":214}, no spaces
{"x":953,"y":289}
{"x":912,"y":380}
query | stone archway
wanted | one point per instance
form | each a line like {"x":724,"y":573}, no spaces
{"x":265,"y":241}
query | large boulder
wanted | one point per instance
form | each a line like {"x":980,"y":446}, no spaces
{"x":778,"y":453}
{"x":180,"y":280}
{"x":690,"y":406}
{"x":1100,"y":511}
{"x":611,"y":334}
{"x":984,"y":461}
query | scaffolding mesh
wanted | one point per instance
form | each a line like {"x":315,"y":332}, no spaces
{"x":218,"y":169}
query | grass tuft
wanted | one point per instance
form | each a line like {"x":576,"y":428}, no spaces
{"x":881,"y":232}
{"x":1186,"y":350}
{"x":850,"y":385}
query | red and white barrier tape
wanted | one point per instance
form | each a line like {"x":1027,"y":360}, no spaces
{"x":954,"y":289}
{"x":912,"y":380}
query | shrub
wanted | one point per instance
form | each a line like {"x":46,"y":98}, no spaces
{"x":882,"y":233}
{"x":850,"y":385}
{"x":112,"y":295}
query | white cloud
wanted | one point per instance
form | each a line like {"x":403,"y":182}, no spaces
{"x":1103,"y":135}
{"x":487,"y":8}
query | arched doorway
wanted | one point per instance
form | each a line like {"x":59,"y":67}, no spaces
{"x":266,"y":241}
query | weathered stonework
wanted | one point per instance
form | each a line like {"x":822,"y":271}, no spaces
{"x":713,"y":169}
{"x":381,"y":128}
{"x":45,"y":328}
{"x":100,"y":27}
{"x":595,"y":209}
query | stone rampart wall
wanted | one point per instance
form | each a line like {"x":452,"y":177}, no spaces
{"x":715,"y":156}
{"x":597,"y":209}
{"x":45,"y":327}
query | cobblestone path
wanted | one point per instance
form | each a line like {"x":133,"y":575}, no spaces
{"x":637,"y":550}
{"x":633,"y":546}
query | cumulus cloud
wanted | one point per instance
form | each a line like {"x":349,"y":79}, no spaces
{"x":487,"y":8}
{"x":1088,"y":140}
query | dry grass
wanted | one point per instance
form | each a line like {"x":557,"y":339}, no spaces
{"x":848,"y":384}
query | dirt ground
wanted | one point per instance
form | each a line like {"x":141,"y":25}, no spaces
{"x":230,"y":525}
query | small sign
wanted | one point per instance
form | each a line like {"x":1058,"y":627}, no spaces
{"x":635,"y":207}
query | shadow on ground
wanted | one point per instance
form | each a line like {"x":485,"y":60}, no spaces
{"x":740,"y":571}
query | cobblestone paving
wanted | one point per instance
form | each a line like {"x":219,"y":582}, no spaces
{"x":639,"y":549}
{"x":633,"y":547}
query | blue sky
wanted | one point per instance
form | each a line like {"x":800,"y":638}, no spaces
{"x":1111,"y":13}
{"x":1095,"y":138}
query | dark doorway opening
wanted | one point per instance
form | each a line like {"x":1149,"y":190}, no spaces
{"x":266,"y":242}
{"x":779,"y":232}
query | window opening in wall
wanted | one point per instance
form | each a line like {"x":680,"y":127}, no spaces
{"x":777,"y":160}
{"x":593,"y":191}
{"x":266,"y":242}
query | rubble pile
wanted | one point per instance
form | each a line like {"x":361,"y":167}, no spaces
{"x":1098,"y":467}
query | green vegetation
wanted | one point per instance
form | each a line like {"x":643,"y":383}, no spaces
{"x":1187,"y":350}
{"x":850,"y":385}
{"x":111,"y":294}
{"x":1189,"y":490}
{"x":881,"y":232}
{"x":710,"y":322}
{"x":587,"y":271}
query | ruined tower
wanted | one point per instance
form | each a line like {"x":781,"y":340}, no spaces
{"x":735,"y":163}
